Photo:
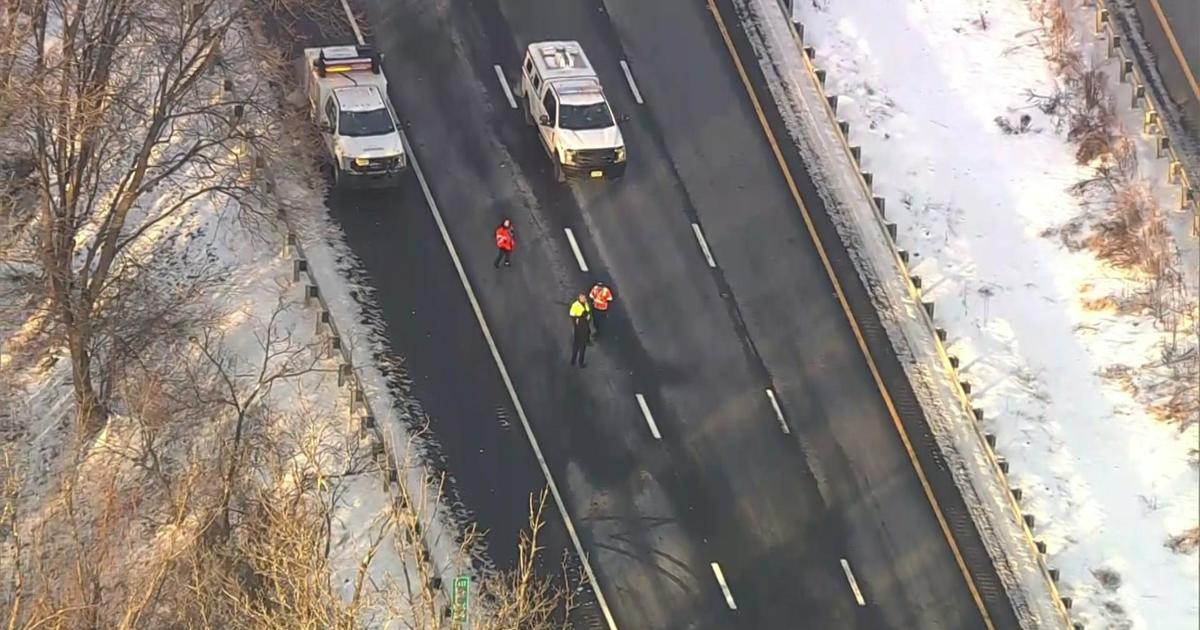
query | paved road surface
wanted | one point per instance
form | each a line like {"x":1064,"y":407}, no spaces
{"x":778,"y":512}
{"x":1170,"y":81}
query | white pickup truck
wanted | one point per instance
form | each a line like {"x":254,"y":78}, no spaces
{"x":562,"y":96}
{"x":347,"y":94}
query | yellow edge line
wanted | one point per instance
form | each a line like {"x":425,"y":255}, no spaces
{"x":862,"y":344}
{"x":1162,"y":19}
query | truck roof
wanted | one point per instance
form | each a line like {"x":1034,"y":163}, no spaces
{"x":579,"y":91}
{"x":560,"y":60}
{"x":358,"y":98}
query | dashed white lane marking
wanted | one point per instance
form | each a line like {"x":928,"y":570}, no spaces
{"x":491,"y":341}
{"x":778,"y":411}
{"x":858,"y":596}
{"x":512,"y":102}
{"x":724,"y":587}
{"x":637,"y":94}
{"x":703,"y":245}
{"x":649,"y":418}
{"x":575,"y":248}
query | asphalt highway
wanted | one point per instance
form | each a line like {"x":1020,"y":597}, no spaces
{"x":735,"y":516}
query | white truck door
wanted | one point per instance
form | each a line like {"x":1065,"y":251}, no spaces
{"x":328,"y":124}
{"x":547,"y":116}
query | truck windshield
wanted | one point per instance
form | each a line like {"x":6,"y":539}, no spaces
{"x":376,"y":122}
{"x":594,"y":116}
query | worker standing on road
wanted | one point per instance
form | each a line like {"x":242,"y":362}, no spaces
{"x":601,"y":295}
{"x":506,"y":240}
{"x":581,"y":329}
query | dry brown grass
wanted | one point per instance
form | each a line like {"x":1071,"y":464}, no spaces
{"x":1186,"y":542}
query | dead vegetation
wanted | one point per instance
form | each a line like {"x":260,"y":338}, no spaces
{"x":183,"y":494}
{"x":1124,"y":225}
{"x":1185,"y":542}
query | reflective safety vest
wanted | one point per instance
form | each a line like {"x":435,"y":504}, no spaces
{"x":601,"y":296}
{"x":504,"y":238}
{"x":579,"y":309}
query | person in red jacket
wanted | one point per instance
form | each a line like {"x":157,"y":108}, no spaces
{"x":505,"y":242}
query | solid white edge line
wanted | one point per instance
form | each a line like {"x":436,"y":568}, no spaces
{"x":575,"y":248}
{"x":508,"y":384}
{"x":778,"y":411}
{"x":504,"y":84}
{"x":353,"y":23}
{"x":703,"y":245}
{"x":716,"y":568}
{"x":649,"y":418}
{"x":858,"y":596}
{"x":637,"y":94}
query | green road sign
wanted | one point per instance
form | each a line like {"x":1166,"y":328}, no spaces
{"x":460,"y":599}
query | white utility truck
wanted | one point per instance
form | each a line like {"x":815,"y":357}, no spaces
{"x":347,"y":94}
{"x":562,"y":95}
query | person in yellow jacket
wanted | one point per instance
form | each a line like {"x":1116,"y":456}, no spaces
{"x":581,"y":314}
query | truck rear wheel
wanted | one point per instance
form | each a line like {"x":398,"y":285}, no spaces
{"x":528,"y":112}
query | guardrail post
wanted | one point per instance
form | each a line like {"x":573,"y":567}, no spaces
{"x":1139,"y":92}
{"x":868,"y":178}
{"x":903,"y":254}
{"x":299,"y":266}
{"x":1017,"y":493}
{"x":1101,"y":18}
{"x":966,"y":387}
{"x":1029,"y":520}
{"x":845,"y":127}
{"x":978,"y":413}
{"x":289,"y":244}
{"x":1150,"y":121}
{"x":820,"y":77}
{"x":321,"y":322}
{"x":334,"y":347}
{"x":310,"y":293}
{"x":344,"y":373}
{"x":811,"y":53}
{"x":1161,"y":147}
{"x":1126,"y":68}
{"x":855,"y":150}
{"x":928,"y":308}
{"x":891,"y":229}
{"x":1041,"y":547}
{"x":832,"y":102}
{"x":953,"y":360}
{"x":880,"y":205}
{"x":1002,"y":464}
{"x":1114,"y":44}
{"x":1173,"y":171}
{"x":916,"y":282}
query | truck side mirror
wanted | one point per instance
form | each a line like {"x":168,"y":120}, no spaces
{"x":623,"y":118}
{"x":544,"y":120}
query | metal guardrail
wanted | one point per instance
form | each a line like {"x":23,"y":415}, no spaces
{"x":361,"y":415}
{"x":949,"y":362}
{"x":1152,"y":125}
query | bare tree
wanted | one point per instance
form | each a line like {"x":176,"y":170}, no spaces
{"x":129,"y":124}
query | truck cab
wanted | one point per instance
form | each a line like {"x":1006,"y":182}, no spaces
{"x":348,"y":101}
{"x":562,"y":96}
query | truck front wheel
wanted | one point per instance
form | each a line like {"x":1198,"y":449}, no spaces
{"x":528,"y":112}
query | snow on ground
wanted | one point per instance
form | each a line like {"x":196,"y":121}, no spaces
{"x":1050,"y":336}
{"x":237,"y":259}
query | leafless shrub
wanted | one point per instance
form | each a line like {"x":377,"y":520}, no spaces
{"x":1186,"y":542}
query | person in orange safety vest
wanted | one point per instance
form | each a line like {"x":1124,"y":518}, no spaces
{"x":601,"y":296}
{"x":505,"y":242}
